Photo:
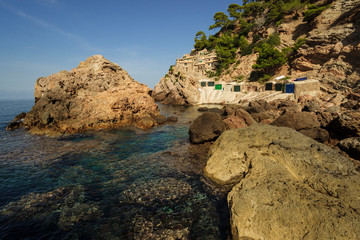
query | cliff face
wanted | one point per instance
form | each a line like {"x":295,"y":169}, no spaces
{"x":330,"y":53}
{"x":174,"y":90}
{"x":333,"y":46}
{"x":180,"y":85}
{"x":98,"y":94}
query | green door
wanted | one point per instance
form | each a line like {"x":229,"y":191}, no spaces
{"x":278,"y":86}
{"x":268,"y":86}
{"x":218,"y":87}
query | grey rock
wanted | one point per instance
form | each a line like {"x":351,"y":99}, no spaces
{"x":207,"y":127}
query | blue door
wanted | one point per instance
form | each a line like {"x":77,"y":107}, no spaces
{"x":290,"y":88}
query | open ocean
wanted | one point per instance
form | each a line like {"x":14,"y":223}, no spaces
{"x":115,"y":184}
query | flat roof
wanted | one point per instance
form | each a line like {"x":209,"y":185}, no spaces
{"x":305,"y":81}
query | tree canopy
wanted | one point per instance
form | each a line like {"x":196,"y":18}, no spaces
{"x":233,"y":29}
{"x":221,"y":20}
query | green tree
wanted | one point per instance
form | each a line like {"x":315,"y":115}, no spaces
{"x":242,"y":42}
{"x":221,"y":21}
{"x":235,"y":11}
{"x":269,"y":58}
{"x":226,"y":52}
{"x":201,"y":41}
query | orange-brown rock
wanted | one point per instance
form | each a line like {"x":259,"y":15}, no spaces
{"x":98,"y":94}
{"x":239,"y":119}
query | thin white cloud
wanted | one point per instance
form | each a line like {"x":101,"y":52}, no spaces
{"x":47,"y":25}
{"x":126,"y":52}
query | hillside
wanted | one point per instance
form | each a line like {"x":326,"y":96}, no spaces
{"x":261,"y":40}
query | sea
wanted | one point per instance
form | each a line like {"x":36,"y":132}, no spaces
{"x":112,"y":184}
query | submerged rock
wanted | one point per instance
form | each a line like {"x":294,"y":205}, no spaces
{"x":97,"y":94}
{"x":287,"y":186}
{"x":145,"y":229}
{"x":161,"y":190}
{"x":172,"y":119}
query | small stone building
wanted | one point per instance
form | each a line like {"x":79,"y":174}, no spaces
{"x":307,"y":87}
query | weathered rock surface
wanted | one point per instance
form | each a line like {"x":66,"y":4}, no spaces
{"x":332,"y":46}
{"x":97,"y":94}
{"x":287,"y":186}
{"x":207,"y":127}
{"x":240,"y":118}
{"x":297,"y":121}
{"x":177,"y":90}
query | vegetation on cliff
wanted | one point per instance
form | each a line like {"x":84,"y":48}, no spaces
{"x":233,"y":37}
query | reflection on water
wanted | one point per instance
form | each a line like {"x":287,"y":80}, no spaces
{"x":117,"y":184}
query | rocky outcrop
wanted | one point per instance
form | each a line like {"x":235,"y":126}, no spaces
{"x":207,"y":127}
{"x":17,"y":122}
{"x":175,"y":89}
{"x":286,"y":185}
{"x":332,"y":46}
{"x":98,"y":94}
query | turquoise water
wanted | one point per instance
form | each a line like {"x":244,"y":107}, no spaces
{"x":116,"y":184}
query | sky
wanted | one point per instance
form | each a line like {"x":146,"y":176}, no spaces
{"x":42,"y":37}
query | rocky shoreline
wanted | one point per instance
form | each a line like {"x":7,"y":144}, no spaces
{"x":291,"y":167}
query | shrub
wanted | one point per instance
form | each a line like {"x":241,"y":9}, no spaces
{"x":299,"y":42}
{"x":313,"y":11}
{"x":242,"y":42}
{"x":274,"y":39}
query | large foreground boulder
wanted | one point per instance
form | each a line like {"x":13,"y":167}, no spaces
{"x":287,"y":186}
{"x":97,"y":94}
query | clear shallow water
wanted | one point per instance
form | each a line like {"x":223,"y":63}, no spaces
{"x":116,"y":184}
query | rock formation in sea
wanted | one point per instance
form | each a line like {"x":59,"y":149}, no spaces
{"x":323,"y":37}
{"x":285,"y":185}
{"x":98,"y":94}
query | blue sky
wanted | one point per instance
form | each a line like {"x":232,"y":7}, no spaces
{"x":41,"y":37}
